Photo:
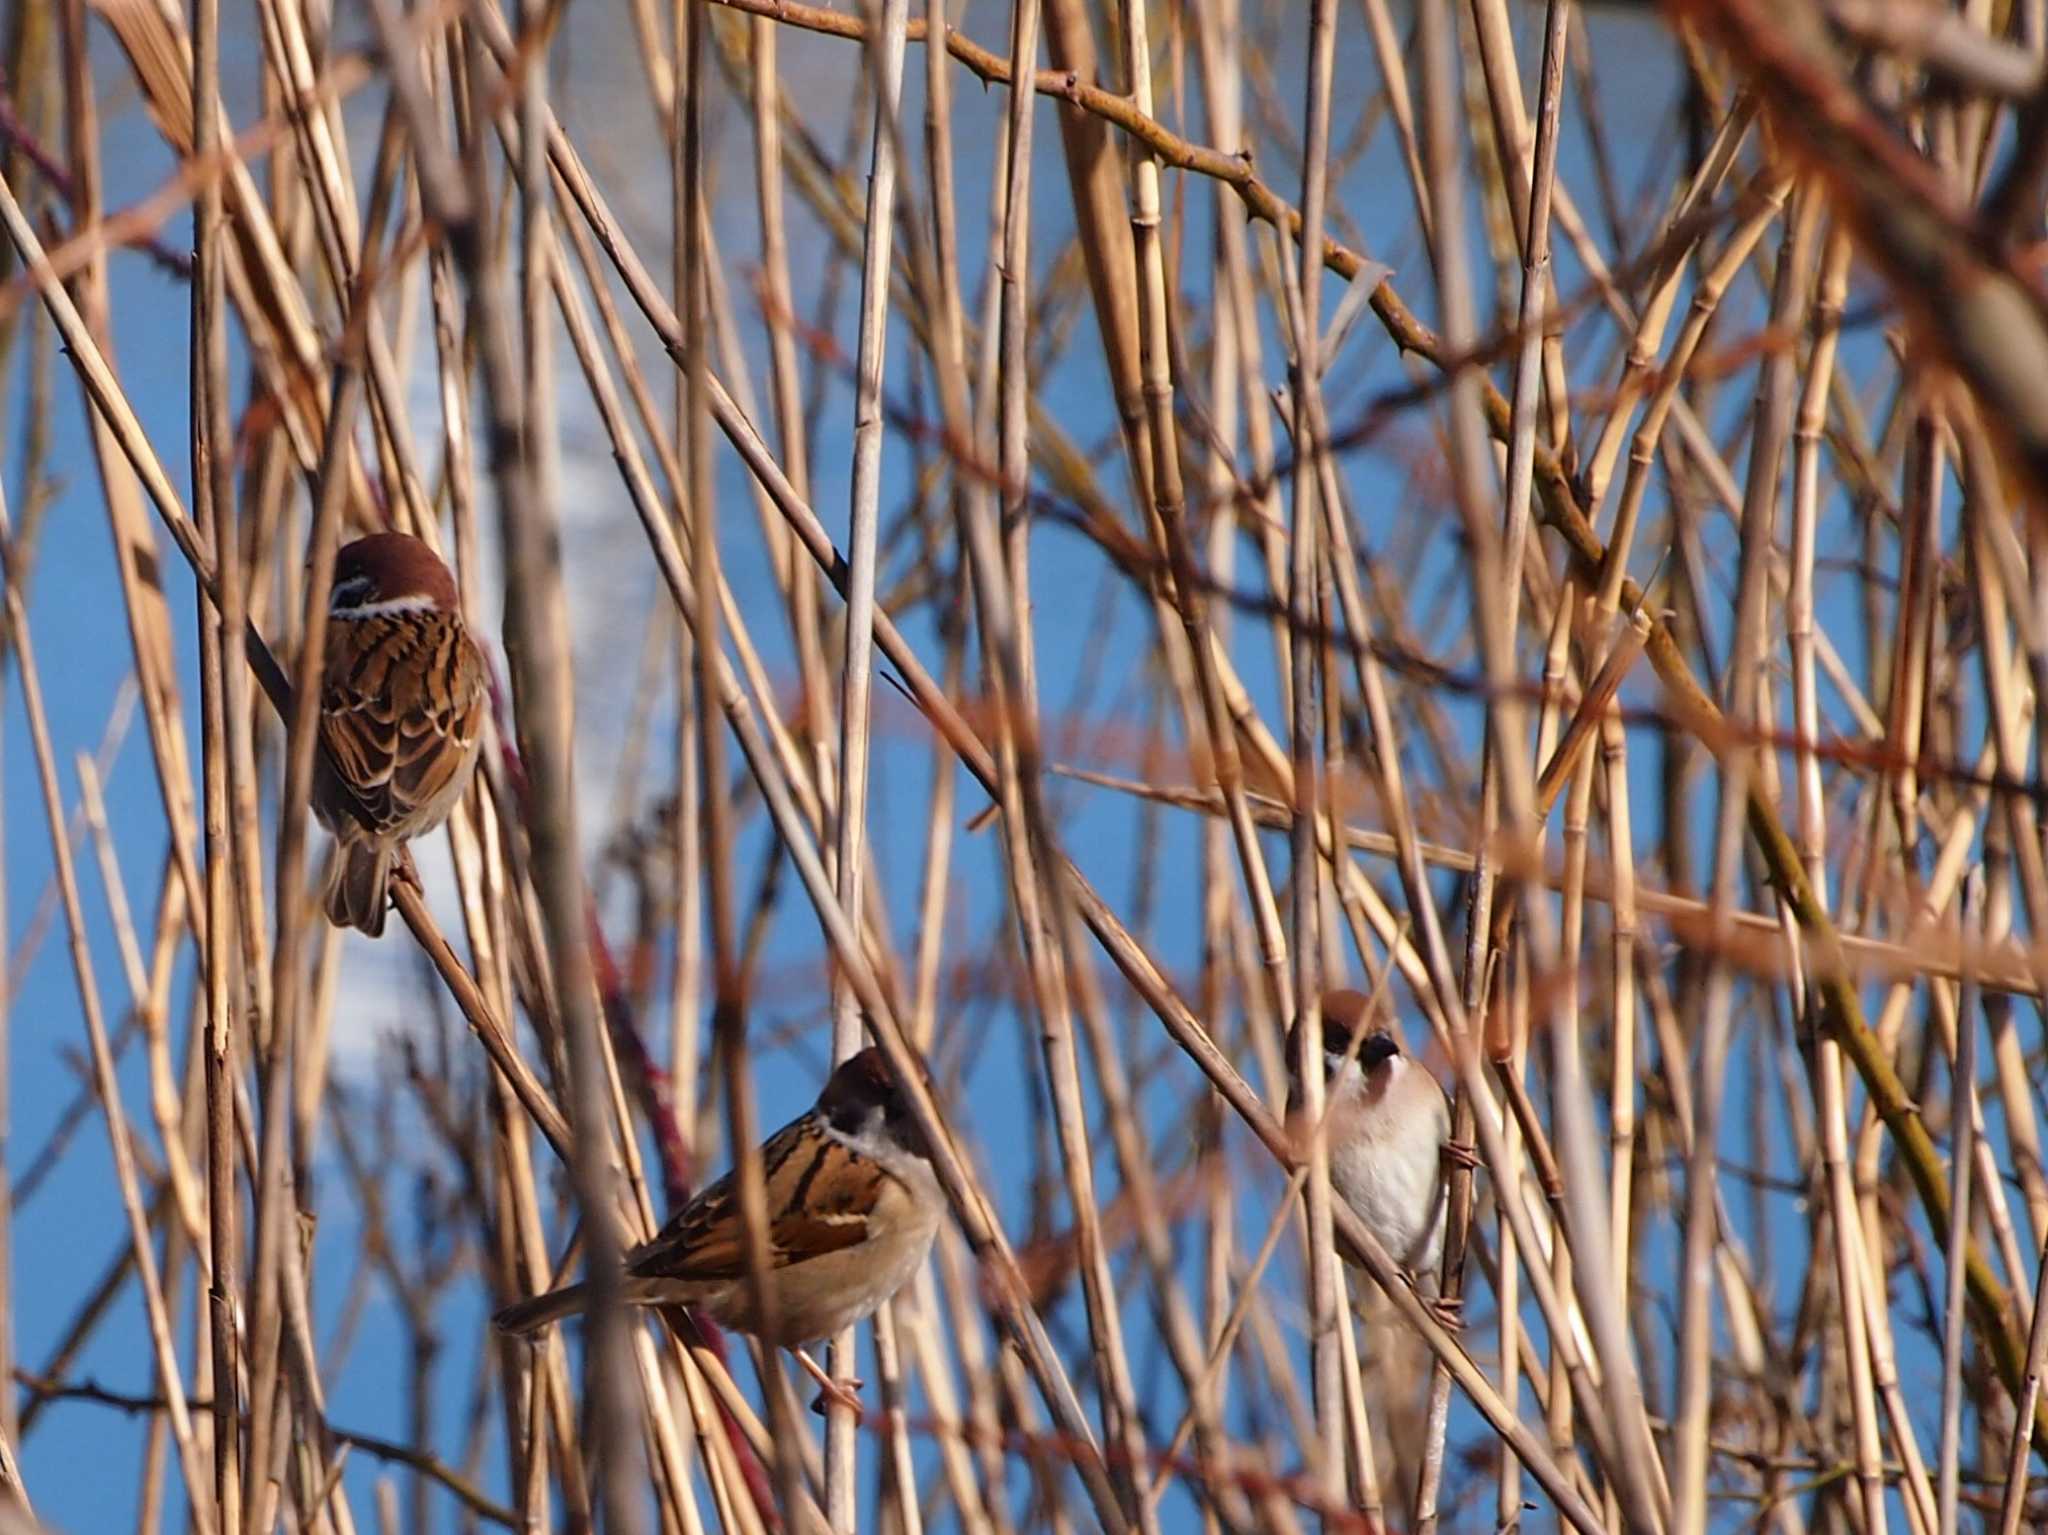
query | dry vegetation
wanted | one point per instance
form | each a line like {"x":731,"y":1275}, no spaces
{"x":1242,"y":633}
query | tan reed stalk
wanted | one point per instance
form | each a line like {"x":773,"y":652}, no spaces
{"x":728,"y":1000}
{"x":1169,"y":508}
{"x":1963,"y":1075}
{"x":1801,"y":628}
{"x":212,"y":459}
{"x":948,"y":348}
{"x":1325,"y":1282}
{"x":999,"y":569}
{"x":1622,"y":987}
{"x":197,"y":1481}
{"x":857,"y":659}
{"x":1227,"y":942}
{"x":276,"y":1206}
{"x":686,"y":842}
{"x":1535,"y":243}
{"x":539,"y":653}
{"x":1102,"y":230}
{"x":1638,"y":1470}
{"x":785,"y":383}
{"x":134,"y":547}
{"x":213,"y":497}
{"x":1770,"y":431}
{"x":92,"y":803}
{"x":1550,"y":1269}
{"x":1520,"y":466}
{"x":2012,"y":1501}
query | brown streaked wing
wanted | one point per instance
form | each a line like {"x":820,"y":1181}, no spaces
{"x":401,"y":701}
{"x":446,"y":711}
{"x":820,"y":1194}
{"x":356,"y":725}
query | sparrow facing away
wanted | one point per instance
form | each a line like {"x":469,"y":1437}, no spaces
{"x":853,"y":1205}
{"x":401,"y":715}
{"x":1388,"y":1128}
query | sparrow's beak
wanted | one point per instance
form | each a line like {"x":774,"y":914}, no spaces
{"x":1378,"y":1049}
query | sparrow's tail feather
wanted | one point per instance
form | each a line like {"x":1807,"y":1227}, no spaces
{"x":357,"y":888}
{"x":534,"y":1314}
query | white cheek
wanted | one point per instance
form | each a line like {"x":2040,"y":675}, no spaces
{"x":1348,"y":1082}
{"x":413,"y":604}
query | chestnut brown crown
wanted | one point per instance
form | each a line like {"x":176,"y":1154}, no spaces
{"x":860,"y":1097}
{"x":389,"y":567}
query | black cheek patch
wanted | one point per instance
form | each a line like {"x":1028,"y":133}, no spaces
{"x":344,"y":594}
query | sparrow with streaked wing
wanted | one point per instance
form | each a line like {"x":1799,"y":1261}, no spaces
{"x":853,"y":1205}
{"x":401,"y":716}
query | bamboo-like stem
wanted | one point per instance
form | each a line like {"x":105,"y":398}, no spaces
{"x":198,"y":1475}
{"x":999,"y":569}
{"x":1800,"y":626}
{"x":1773,"y":424}
{"x":2012,"y":1502}
{"x":538,"y":648}
{"x":785,"y":384}
{"x":213,"y":495}
{"x":1963,"y":1075}
{"x":1478,"y":914}
{"x":277,"y":1205}
{"x":1326,"y":1286}
{"x":857,"y":662}
{"x":1631,"y":1457}
{"x":728,"y":1000}
{"x":1169,"y":507}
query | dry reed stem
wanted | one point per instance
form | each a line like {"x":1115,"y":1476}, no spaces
{"x":148,"y":1276}
{"x":885,"y":64}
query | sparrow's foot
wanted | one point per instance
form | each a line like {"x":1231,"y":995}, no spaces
{"x":831,"y":1393}
{"x":840,"y":1394}
{"x":1448,"y":1312}
{"x":403,"y":868}
{"x":1459,"y":1154}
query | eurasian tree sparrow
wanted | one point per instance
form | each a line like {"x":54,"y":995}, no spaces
{"x":401,"y":715}
{"x":1388,"y":1129}
{"x":853,"y":1205}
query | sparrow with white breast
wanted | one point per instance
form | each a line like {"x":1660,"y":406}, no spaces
{"x":401,"y":715}
{"x":1388,"y":1127}
{"x":853,"y":1205}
